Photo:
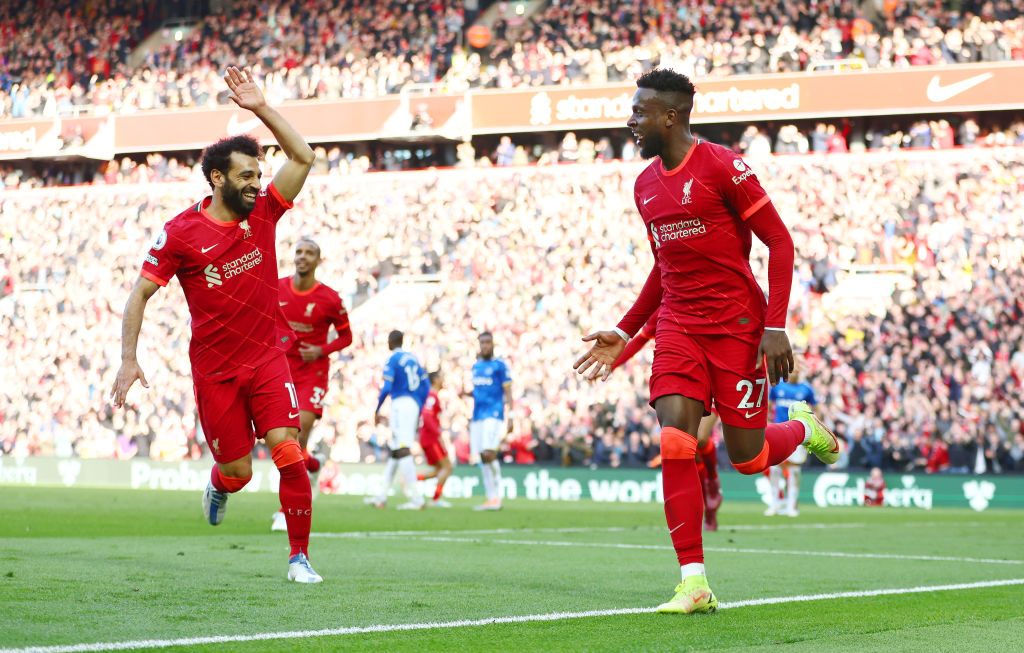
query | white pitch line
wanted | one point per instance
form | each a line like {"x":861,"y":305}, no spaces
{"x":553,"y":616}
{"x":663,"y":547}
{"x":626,"y":529}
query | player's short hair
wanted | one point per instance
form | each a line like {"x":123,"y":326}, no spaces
{"x":664,"y":80}
{"x":485,"y":334}
{"x":218,"y":155}
{"x":432,"y":376}
{"x":309,"y":239}
{"x":395,"y":339}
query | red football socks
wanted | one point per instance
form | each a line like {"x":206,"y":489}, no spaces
{"x":295,"y":493}
{"x":312,"y":464}
{"x":684,"y":502}
{"x":780,"y":441}
{"x":438,"y":489}
{"x":709,"y":454}
{"x":783,"y":439}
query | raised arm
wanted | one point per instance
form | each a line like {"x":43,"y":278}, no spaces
{"x":131,"y":325}
{"x":246,"y":94}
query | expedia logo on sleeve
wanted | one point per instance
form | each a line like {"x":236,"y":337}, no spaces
{"x":746,"y":172}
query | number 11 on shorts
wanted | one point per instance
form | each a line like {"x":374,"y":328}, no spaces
{"x":290,"y":387}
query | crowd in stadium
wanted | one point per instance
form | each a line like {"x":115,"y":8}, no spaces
{"x":755,"y":141}
{"x":83,"y":60}
{"x":926,"y":377}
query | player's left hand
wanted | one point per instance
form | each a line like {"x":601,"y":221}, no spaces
{"x":244,"y":91}
{"x":380,"y":419}
{"x":777,"y":354}
{"x":310,"y":352}
{"x":510,"y":426}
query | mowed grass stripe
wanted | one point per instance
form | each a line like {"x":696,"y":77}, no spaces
{"x":555,"y":616}
{"x":661,"y":547}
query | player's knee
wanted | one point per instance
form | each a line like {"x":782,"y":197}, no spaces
{"x":753,"y":465}
{"x":398,"y":454}
{"x":234,"y":483}
{"x":287,"y":452}
{"x":677,"y":444}
{"x":237,"y":469}
{"x":487,"y":456}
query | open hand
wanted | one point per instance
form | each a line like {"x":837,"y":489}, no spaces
{"x":244,"y":91}
{"x":607,"y":348}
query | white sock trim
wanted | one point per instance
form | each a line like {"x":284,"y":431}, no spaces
{"x":807,"y":431}
{"x":692,"y":569}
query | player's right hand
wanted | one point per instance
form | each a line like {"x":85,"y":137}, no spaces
{"x":607,"y":347}
{"x":126,"y":376}
{"x":380,"y":419}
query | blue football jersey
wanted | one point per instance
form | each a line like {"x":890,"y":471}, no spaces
{"x":786,"y":394}
{"x":489,"y":379}
{"x":404,"y":377}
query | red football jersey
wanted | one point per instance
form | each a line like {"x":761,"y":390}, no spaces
{"x":430,"y":428}
{"x":310,"y":314}
{"x":228,"y":271}
{"x":696,"y":218}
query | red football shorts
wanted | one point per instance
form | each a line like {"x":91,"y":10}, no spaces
{"x":717,"y":367}
{"x":310,"y":385}
{"x":434,"y":451}
{"x":232,"y":412}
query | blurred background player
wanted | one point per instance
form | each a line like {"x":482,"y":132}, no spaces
{"x":707,"y":462}
{"x":718,"y":338}
{"x":311,"y":309}
{"x":492,"y":397}
{"x":431,"y":443}
{"x":406,"y":382}
{"x":874,"y":488}
{"x":784,"y":395}
{"x":223,"y":251}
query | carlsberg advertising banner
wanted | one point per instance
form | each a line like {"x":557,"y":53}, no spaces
{"x":530,"y":482}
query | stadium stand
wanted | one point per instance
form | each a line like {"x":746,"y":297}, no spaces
{"x":939,"y":355}
{"x":96,"y":58}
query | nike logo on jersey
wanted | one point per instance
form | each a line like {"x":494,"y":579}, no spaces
{"x":936,"y":92}
{"x":206,"y":249}
{"x":292,"y":415}
{"x":282,"y":303}
{"x":649,"y":199}
{"x":749,"y":415}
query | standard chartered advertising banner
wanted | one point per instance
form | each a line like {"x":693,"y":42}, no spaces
{"x":534,"y":483}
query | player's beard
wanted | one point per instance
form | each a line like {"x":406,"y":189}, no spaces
{"x":652,"y":145}
{"x":232,"y":196}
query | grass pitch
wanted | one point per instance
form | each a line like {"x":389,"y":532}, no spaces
{"x":116,"y":570}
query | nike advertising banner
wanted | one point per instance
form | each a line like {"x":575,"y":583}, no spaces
{"x":530,"y":482}
{"x":923,"y":89}
{"x":918,"y":90}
